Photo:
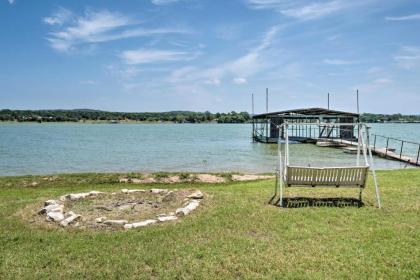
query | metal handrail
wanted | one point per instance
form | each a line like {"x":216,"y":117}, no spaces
{"x":396,"y":139}
{"x":401,"y":147}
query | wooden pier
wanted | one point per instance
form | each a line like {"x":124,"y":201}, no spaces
{"x":384,"y":152}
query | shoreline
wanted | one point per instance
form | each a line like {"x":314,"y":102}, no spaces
{"x":155,"y":122}
{"x":164,"y":174}
{"x":120,"y":122}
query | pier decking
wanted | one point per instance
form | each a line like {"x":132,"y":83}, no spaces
{"x":384,"y":152}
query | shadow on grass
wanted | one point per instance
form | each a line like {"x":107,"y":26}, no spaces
{"x":301,"y":202}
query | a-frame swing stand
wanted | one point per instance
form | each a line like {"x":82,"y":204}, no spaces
{"x":338,"y":176}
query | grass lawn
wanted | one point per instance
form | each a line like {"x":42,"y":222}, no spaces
{"x":233,"y":234}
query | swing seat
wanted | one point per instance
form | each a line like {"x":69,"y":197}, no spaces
{"x":350,"y":177}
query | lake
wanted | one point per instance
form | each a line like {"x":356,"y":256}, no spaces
{"x":27,"y":148}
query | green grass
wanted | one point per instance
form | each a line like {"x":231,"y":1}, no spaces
{"x":233,"y":234}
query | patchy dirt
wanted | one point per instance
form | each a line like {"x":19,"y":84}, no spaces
{"x":251,"y":177}
{"x":209,"y":178}
{"x":197,"y":178}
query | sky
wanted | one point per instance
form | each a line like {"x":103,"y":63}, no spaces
{"x":198,"y":55}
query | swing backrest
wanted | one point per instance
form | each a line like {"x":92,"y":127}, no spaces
{"x":327,"y":177}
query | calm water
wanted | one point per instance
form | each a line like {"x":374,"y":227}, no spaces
{"x":60,"y":148}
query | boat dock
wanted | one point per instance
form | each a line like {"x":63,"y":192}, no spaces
{"x":329,"y":128}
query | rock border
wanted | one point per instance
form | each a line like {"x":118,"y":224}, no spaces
{"x":54,"y":209}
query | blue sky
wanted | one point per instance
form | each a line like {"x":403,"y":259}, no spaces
{"x":161,"y":55}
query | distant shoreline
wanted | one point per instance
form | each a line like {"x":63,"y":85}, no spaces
{"x":158,"y":122}
{"x":108,"y":122}
{"x":96,"y":116}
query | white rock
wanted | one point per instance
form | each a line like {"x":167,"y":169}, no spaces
{"x":77,"y":196}
{"x":52,"y":208}
{"x":196,"y":195}
{"x":95,"y":193}
{"x":132,"y":191}
{"x":126,"y":206}
{"x":167,"y":218}
{"x":63,"y":198}
{"x":187,"y":209}
{"x":140,"y":224}
{"x":124,"y":180}
{"x":73,"y":217}
{"x":115,"y":222}
{"x":143,"y":223}
{"x":50,"y":202}
{"x":55,"y":216}
{"x":157,"y":191}
{"x":100,"y":219}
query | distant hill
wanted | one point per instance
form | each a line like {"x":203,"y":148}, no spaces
{"x":80,"y":115}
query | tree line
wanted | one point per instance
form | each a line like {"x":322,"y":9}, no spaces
{"x":81,"y":115}
{"x":379,"y":118}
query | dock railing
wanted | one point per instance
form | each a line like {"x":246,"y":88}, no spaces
{"x":398,"y":147}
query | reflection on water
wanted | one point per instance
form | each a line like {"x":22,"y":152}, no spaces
{"x":53,"y":148}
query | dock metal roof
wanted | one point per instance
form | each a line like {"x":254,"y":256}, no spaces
{"x":307,"y":112}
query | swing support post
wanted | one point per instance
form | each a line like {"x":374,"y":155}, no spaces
{"x":375,"y":181}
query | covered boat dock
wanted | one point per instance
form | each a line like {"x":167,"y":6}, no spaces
{"x":265,"y":127}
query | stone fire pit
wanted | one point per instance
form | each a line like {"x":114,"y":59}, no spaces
{"x":128,"y":208}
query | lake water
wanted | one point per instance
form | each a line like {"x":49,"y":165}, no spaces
{"x":66,"y":147}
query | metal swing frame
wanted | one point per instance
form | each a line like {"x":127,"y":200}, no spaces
{"x":348,"y":176}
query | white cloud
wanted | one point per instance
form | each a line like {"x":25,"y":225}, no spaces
{"x":240,"y":81}
{"x":97,"y":27}
{"x":215,"y":82}
{"x":242,"y":67}
{"x":408,"y":57}
{"x":302,"y":9}
{"x":374,"y":85}
{"x":339,"y":62}
{"x":142,"y":56}
{"x":163,"y":2}
{"x":11,"y":2}
{"x":381,"y":81}
{"x":315,"y":10}
{"x":61,"y":16}
{"x":404,"y":18}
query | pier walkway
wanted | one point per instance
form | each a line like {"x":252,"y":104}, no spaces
{"x":387,"y":151}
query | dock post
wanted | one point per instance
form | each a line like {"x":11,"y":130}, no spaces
{"x":359,"y":141}
{"x":280,"y":172}
{"x":418,"y":154}
{"x":402,"y":145}
{"x":374,"y":143}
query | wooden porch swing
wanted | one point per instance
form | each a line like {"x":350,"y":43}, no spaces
{"x":339,"y":176}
